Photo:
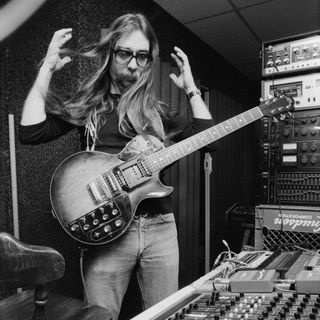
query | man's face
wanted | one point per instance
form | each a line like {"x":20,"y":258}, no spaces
{"x":129,"y":59}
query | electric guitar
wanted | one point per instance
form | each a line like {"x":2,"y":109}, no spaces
{"x":94,"y":195}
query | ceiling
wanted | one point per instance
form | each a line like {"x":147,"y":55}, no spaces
{"x":236,"y":29}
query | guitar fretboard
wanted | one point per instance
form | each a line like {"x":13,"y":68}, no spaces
{"x":163,"y":158}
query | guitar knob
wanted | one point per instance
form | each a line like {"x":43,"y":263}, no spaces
{"x":95,"y":222}
{"x":86,"y":227}
{"x":105,"y":217}
{"x":114,"y":212}
{"x":118,"y":223}
{"x":74,"y":227}
{"x":107,"y":229}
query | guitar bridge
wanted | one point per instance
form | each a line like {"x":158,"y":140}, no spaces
{"x":132,"y":173}
{"x":103,"y":188}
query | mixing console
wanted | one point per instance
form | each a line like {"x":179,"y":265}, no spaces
{"x":228,"y":306}
{"x":266,"y":286}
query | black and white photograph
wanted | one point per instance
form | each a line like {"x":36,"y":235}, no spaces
{"x":160,"y":159}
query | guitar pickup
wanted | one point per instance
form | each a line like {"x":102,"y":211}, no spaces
{"x":132,"y":174}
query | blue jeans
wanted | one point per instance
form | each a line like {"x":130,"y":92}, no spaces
{"x":150,"y":244}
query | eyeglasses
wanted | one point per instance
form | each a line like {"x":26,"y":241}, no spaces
{"x":125,"y":56}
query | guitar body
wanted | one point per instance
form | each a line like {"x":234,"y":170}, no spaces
{"x":89,"y":195}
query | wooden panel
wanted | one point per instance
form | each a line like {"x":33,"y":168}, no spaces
{"x":174,"y":171}
{"x":157,"y":79}
{"x":182,"y":213}
{"x":165,"y":82}
{"x":197,"y":188}
{"x":175,"y":92}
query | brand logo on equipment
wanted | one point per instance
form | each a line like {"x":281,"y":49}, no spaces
{"x":293,"y":222}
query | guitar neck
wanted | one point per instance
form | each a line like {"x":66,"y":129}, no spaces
{"x":165,"y":157}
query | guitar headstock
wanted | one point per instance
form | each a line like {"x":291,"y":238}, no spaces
{"x":277,"y":106}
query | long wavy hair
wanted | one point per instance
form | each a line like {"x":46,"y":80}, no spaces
{"x":138,"y":109}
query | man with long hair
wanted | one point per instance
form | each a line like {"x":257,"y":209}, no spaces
{"x":116,"y":104}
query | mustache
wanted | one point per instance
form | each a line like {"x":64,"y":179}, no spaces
{"x":128,"y":76}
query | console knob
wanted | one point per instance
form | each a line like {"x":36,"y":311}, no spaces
{"x":286,"y":133}
{"x":269,"y":63}
{"x":313,"y":132}
{"x":313,"y":147}
{"x":282,"y":314}
{"x":304,"y":147}
{"x":278,"y":62}
{"x":304,"y":132}
{"x":299,"y":309}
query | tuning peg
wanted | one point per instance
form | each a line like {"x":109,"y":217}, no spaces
{"x":274,"y":120}
{"x":282,"y":117}
{"x":289,"y":114}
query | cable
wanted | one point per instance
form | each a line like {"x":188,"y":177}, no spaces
{"x":85,"y":292}
{"x":226,"y":244}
